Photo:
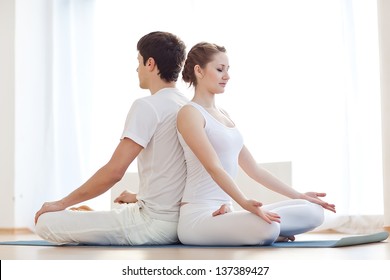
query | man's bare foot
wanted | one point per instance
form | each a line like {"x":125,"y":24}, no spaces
{"x":285,"y":238}
{"x":81,"y":208}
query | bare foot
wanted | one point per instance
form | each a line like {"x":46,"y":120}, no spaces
{"x":222,"y":210}
{"x":285,"y":238}
{"x":81,"y":208}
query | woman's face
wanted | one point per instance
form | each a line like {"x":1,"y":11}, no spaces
{"x":215,"y":74}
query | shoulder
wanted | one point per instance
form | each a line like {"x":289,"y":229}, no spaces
{"x":188,"y":111}
{"x":144,"y":104}
{"x":188,"y":115}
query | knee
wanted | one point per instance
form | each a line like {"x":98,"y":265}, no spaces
{"x":316,"y":213}
{"x":42,"y":226}
{"x":270,"y":234}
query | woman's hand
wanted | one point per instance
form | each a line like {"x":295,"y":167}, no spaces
{"x":255,"y":208}
{"x":49,"y":207}
{"x":315,"y":198}
{"x":126,"y":197}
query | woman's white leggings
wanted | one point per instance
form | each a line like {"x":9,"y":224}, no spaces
{"x":197,"y":226}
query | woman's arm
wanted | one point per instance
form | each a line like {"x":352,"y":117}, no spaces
{"x":190,"y":124}
{"x":107,"y":176}
{"x":262,"y":176}
{"x":265,"y":178}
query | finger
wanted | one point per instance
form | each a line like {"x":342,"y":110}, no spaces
{"x":37,"y":216}
{"x":265,"y":217}
{"x":328,"y":206}
{"x":274,"y":218}
{"x":273,"y":215}
{"x":331,"y":208}
{"x":119,"y":199}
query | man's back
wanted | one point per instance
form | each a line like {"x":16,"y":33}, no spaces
{"x":152,"y":124}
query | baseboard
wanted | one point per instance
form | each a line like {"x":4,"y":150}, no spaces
{"x":15,"y":231}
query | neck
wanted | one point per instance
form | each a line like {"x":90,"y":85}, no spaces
{"x":159,"y":85}
{"x":205,"y":99}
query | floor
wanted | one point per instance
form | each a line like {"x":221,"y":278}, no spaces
{"x":375,"y":251}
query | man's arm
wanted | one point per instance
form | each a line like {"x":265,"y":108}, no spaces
{"x":106,"y":177}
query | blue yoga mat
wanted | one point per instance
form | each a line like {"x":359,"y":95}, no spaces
{"x":342,"y":242}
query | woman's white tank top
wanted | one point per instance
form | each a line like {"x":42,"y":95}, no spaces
{"x":227,"y":143}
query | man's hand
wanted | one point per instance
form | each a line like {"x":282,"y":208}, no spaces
{"x":126,"y":197}
{"x":49,"y":207}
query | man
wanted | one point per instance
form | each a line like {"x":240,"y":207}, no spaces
{"x":151,"y":216}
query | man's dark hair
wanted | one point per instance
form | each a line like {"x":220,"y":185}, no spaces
{"x":167,"y":50}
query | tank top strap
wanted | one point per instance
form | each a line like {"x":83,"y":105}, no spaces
{"x":202,"y":110}
{"x":197,"y":106}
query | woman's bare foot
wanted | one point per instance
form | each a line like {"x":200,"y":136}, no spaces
{"x":285,"y":238}
{"x":222,"y":210}
{"x":81,"y":208}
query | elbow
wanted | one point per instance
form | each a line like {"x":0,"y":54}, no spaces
{"x":114,"y":174}
{"x":117,"y":175}
{"x":215,"y":171}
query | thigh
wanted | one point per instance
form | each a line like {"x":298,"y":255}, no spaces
{"x":124,"y":226}
{"x":234,"y":228}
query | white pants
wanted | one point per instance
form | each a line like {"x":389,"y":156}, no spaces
{"x":129,"y":225}
{"x":197,"y":226}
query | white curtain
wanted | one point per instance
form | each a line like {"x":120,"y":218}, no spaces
{"x":53,"y":101}
{"x":304,"y":88}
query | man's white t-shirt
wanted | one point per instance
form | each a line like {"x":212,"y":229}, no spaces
{"x":151,"y":123}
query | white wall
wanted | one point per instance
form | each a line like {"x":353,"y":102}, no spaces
{"x":384,"y":44}
{"x":7,"y":112}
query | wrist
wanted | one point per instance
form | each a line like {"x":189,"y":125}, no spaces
{"x":63,"y":203}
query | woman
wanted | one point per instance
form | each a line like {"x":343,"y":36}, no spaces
{"x":213,"y":148}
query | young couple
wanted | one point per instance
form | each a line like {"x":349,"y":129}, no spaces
{"x":188,"y":154}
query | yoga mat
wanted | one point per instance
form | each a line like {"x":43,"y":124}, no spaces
{"x":342,"y":242}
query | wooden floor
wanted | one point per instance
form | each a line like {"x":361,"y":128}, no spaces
{"x":375,"y":251}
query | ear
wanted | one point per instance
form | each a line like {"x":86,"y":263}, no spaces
{"x":198,"y":72}
{"x":151,"y":63}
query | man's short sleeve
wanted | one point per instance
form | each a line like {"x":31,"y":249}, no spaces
{"x":141,"y":122}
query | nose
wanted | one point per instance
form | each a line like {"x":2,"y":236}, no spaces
{"x":136,"y":69}
{"x":226,"y":76}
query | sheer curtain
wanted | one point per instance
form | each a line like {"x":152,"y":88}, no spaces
{"x":53,"y":67}
{"x":304,"y":87}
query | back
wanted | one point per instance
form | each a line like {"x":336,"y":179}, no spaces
{"x":161,"y":165}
